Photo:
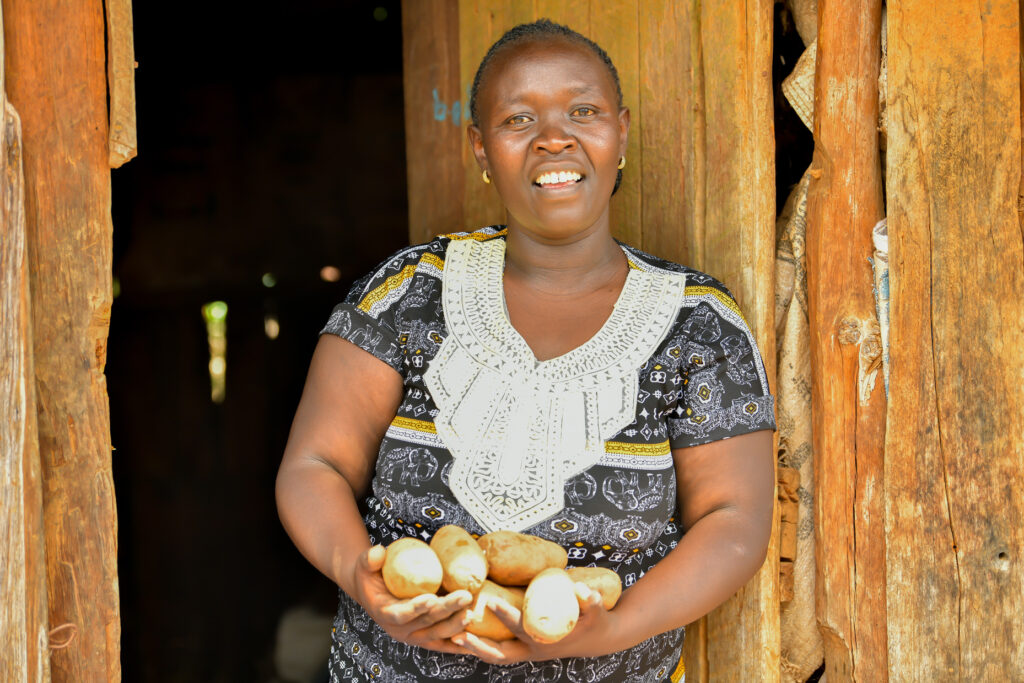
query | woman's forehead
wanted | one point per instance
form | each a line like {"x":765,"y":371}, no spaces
{"x":574,"y":67}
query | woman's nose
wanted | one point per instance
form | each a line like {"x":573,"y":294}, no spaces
{"x":553,"y":139}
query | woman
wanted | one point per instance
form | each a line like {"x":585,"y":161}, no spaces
{"x":539,"y":377}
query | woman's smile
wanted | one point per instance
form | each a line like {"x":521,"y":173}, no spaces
{"x":551,"y":181}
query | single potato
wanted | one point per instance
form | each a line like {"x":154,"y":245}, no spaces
{"x":604,"y":581}
{"x":550,"y":608}
{"x":411,"y":568}
{"x":462,"y":559}
{"x":513,"y":559}
{"x":483,"y":621}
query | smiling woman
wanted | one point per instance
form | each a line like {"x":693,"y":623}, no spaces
{"x":540,"y":377}
{"x":550,"y":128}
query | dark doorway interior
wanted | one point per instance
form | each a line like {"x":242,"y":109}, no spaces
{"x":270,"y":146}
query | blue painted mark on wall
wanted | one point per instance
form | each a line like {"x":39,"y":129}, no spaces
{"x":456,"y":112}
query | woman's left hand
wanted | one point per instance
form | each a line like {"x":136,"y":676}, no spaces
{"x":590,"y":638}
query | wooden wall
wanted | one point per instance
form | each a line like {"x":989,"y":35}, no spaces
{"x":23,"y":604}
{"x":848,"y":394}
{"x":695,"y":192}
{"x":55,"y":57}
{"x":954,"y":449}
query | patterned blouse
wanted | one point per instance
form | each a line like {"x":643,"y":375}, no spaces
{"x":576,"y":449}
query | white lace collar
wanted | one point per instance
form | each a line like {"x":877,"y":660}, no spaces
{"x":518,"y":428}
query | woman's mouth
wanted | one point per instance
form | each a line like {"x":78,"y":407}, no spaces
{"x":555,"y":179}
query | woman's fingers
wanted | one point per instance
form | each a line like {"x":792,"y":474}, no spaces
{"x":372,"y":560}
{"x":484,"y":648}
{"x":587,"y":597}
{"x":443,"y":629}
{"x":404,"y":612}
{"x":510,"y":616}
{"x":443,"y":608}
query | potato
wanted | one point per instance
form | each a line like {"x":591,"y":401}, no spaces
{"x":604,"y":581}
{"x":550,"y":608}
{"x":483,"y":622}
{"x":411,"y":568}
{"x":462,"y":559}
{"x":513,"y":559}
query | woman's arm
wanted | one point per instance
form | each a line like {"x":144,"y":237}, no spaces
{"x":348,"y":402}
{"x":726,"y":491}
{"x":349,"y":399}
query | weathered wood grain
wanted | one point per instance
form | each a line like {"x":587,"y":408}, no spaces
{"x":848,"y":398}
{"x":56,"y":78}
{"x":615,"y":27}
{"x":22,"y":552}
{"x":434,"y":117}
{"x":576,"y":14}
{"x":124,"y":142}
{"x":739,"y":249}
{"x":479,"y":26}
{"x":954,"y":463}
{"x":667,"y":137}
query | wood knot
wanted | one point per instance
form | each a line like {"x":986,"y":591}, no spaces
{"x":69,"y":630}
{"x":871,"y":345}
{"x":1003,"y":561}
{"x":849,"y":331}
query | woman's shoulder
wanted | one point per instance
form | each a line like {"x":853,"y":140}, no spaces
{"x":698,"y":284}
{"x":431,"y":253}
{"x":390,"y":279}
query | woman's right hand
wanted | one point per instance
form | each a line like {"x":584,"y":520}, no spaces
{"x":427,"y":621}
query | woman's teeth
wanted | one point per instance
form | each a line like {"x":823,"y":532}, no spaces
{"x":558,"y":177}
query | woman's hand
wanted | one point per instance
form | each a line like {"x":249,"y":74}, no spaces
{"x":426,"y":621}
{"x":591,"y":637}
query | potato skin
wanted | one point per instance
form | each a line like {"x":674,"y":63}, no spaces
{"x":411,"y":568}
{"x":550,"y":607}
{"x":604,"y":581}
{"x":483,"y":621}
{"x":513,"y":559}
{"x":462,"y":559}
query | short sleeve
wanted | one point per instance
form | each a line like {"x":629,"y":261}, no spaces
{"x":724,"y":389}
{"x":367,"y":316}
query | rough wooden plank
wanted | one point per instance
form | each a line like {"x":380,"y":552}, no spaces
{"x":695,"y":651}
{"x":123,"y":143}
{"x":848,"y":397}
{"x":615,"y":27}
{"x":739,"y":245}
{"x":479,"y":27}
{"x":666,"y":107}
{"x":954,"y":464}
{"x":56,"y":78}
{"x":23,"y":581}
{"x":573,"y":13}
{"x":434,"y":117}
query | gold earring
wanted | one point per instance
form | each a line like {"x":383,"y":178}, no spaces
{"x":486,"y":177}
{"x":622,"y":163}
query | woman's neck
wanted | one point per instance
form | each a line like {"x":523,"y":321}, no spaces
{"x":571,"y":267}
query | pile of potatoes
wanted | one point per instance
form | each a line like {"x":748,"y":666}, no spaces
{"x":525,"y":571}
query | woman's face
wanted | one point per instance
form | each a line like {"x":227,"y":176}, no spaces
{"x":551,"y":134}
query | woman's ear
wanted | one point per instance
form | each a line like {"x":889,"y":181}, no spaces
{"x":476,"y":143}
{"x":623,"y":130}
